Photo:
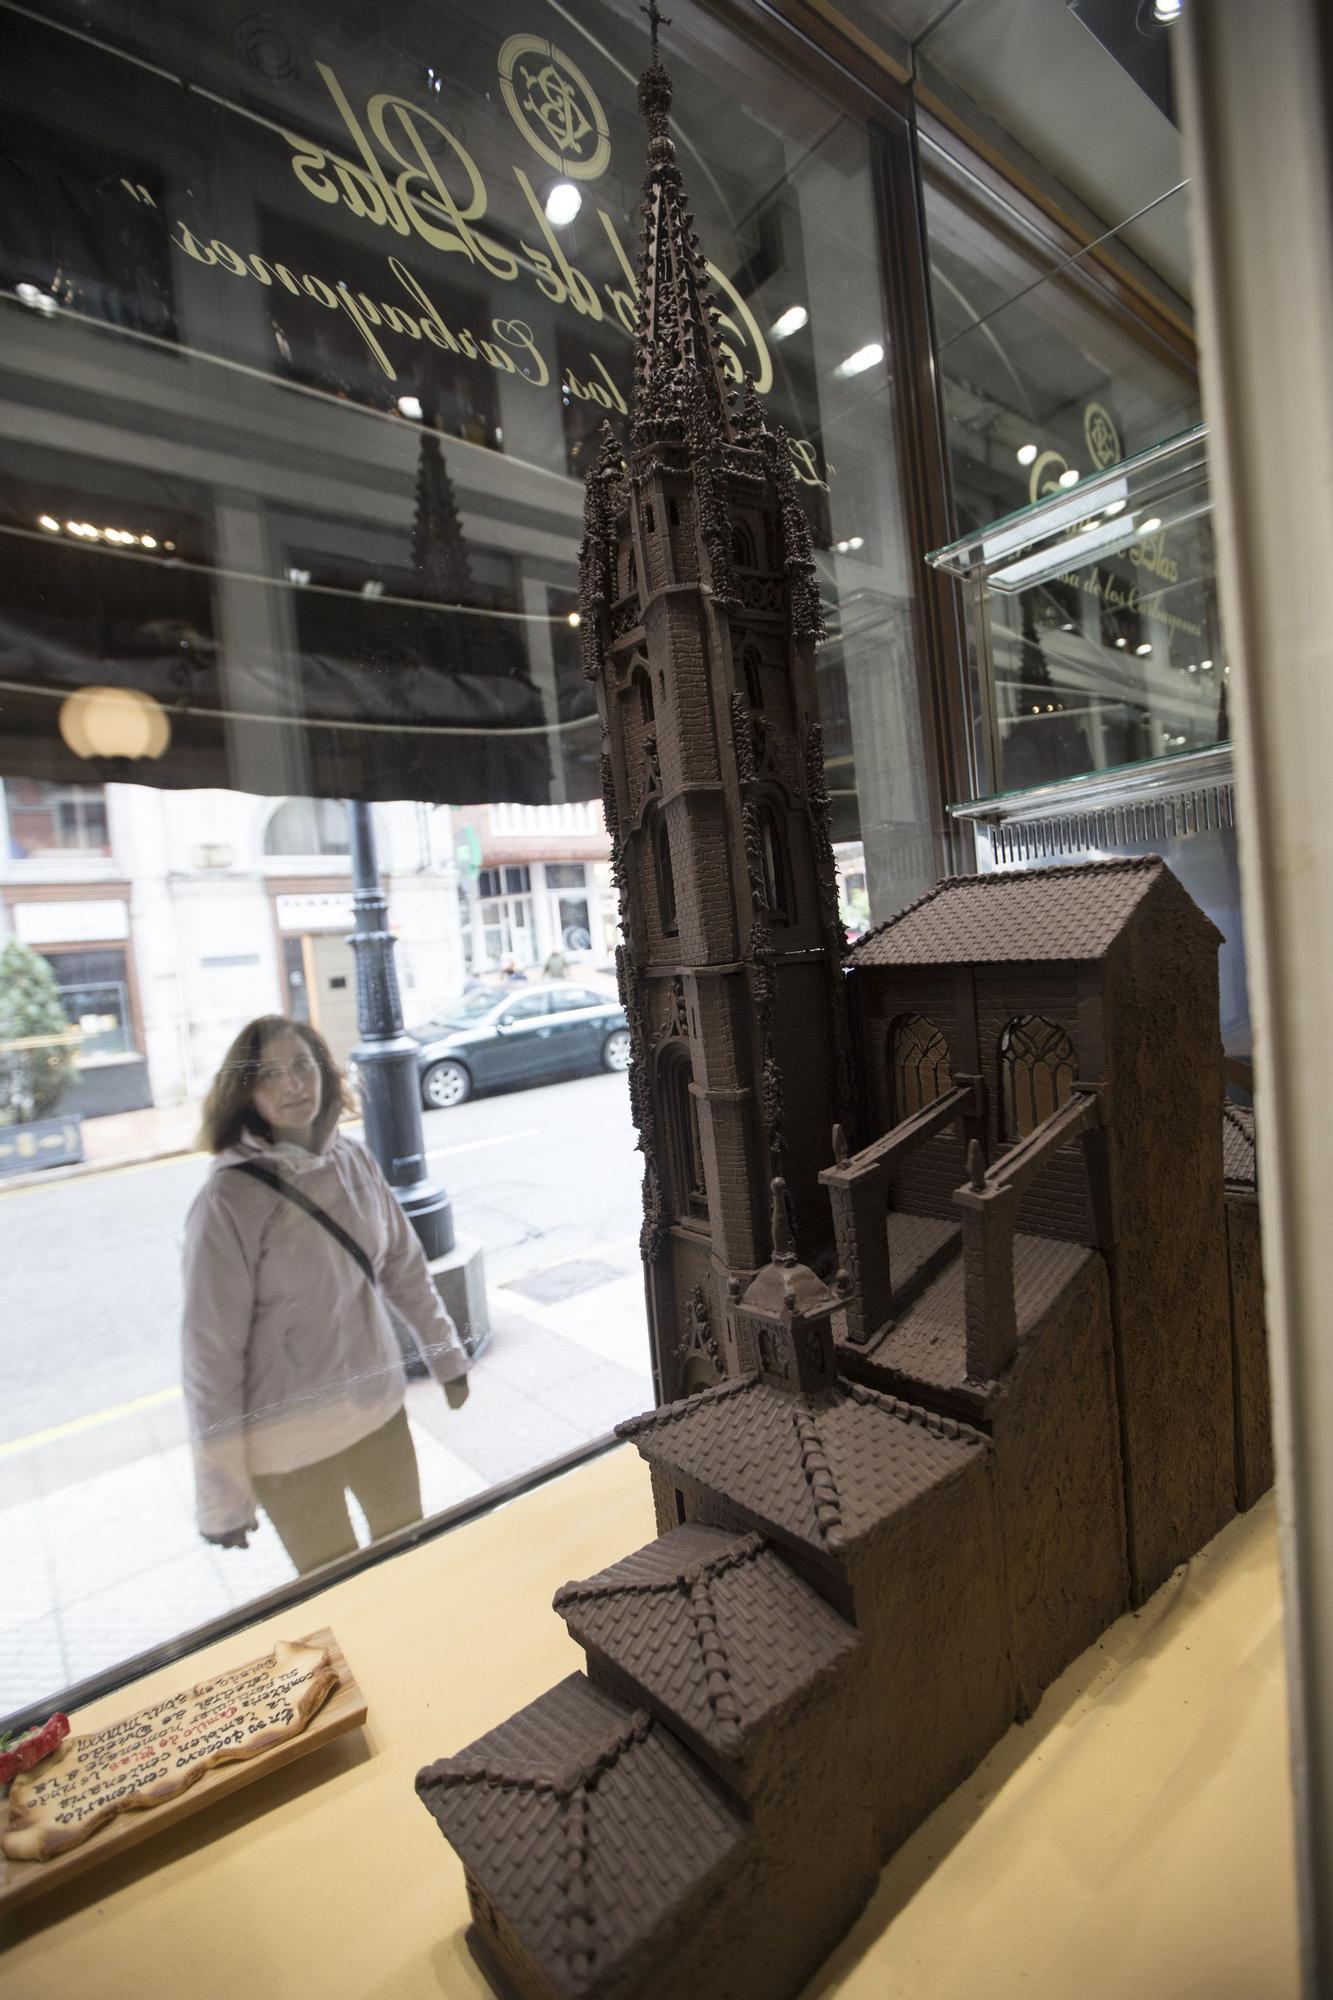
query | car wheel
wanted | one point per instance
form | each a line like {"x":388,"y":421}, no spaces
{"x":444,"y":1085}
{"x":615,"y":1049}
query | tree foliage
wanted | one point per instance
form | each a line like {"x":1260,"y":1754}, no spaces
{"x":37,"y":1045}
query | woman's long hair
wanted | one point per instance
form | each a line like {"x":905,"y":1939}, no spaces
{"x":229,"y":1108}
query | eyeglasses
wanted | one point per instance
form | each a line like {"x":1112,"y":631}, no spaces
{"x":300,"y":1069}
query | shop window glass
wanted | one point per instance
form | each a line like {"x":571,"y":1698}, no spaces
{"x":1046,"y":382}
{"x":291,"y":499}
{"x":95,"y":995}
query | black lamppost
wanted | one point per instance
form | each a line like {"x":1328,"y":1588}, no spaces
{"x":385,"y":1057}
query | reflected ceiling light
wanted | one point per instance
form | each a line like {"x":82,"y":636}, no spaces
{"x":372,"y":587}
{"x":563,"y":203}
{"x":1122,"y":642}
{"x":789,"y":322}
{"x":1114,"y":507}
{"x":49,"y":522}
{"x":298,"y":576}
{"x":168,"y":545}
{"x":1166,"y":10}
{"x":114,"y":722}
{"x":1143,"y":650}
{"x":856,"y":541}
{"x":864,"y":357}
{"x":1151,"y":525}
{"x":574,"y":619}
{"x":1205,"y":664}
{"x":149,"y":541}
{"x":410,"y":406}
{"x":1026,"y":453}
{"x":1069,"y":477}
{"x":1068,"y":625}
{"x":1193,"y":669}
{"x":842,"y":547}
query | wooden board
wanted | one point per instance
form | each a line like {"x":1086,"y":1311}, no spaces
{"x":344,"y":1710}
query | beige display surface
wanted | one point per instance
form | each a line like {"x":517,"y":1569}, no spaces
{"x":1133,"y":1839}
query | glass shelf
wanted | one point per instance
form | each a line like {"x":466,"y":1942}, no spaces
{"x":1092,"y":519}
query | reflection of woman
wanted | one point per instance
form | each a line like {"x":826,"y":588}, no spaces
{"x":295,"y":1248}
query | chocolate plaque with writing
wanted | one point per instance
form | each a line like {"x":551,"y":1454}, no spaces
{"x":108,"y":1787}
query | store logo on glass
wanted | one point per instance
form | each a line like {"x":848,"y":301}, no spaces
{"x":555,"y":107}
{"x":1101,"y":436}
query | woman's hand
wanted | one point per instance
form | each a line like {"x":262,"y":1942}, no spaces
{"x":233,"y":1538}
{"x":456,"y":1392}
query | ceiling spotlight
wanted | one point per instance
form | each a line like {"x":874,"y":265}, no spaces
{"x":1069,"y":476}
{"x":789,"y":322}
{"x":856,"y":541}
{"x":298,"y":576}
{"x":168,"y":545}
{"x":1206,"y":665}
{"x":372,"y":587}
{"x":410,"y":406}
{"x":563,"y":203}
{"x":49,"y":522}
{"x":842,"y":548}
{"x":1113,"y":507}
{"x":864,"y":357}
{"x":1122,"y":642}
{"x":1166,"y":10}
{"x":39,"y":300}
{"x":1143,"y":650}
{"x":1151,"y":525}
{"x":1026,"y":453}
{"x":1068,"y":625}
{"x":1192,"y":668}
{"x":149,"y":541}
{"x":575,"y":619}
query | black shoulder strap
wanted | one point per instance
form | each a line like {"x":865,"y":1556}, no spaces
{"x":312,"y":1209}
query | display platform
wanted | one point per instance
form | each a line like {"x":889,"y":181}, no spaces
{"x":1133,"y":1839}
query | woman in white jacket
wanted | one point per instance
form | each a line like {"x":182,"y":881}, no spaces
{"x":295,"y":1248}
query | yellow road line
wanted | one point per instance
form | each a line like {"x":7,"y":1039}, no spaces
{"x":60,"y":1180}
{"x":91,"y":1423}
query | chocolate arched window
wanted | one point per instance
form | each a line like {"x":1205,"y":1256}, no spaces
{"x":666,"y":879}
{"x":743,"y":552}
{"x":752,"y":673}
{"x":1038,"y":1070}
{"x":777,"y":869}
{"x":687,"y":1194}
{"x":918,"y":1065}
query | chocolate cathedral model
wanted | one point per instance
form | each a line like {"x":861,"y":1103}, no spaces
{"x":895,"y":1500}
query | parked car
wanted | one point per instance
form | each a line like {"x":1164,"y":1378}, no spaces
{"x":518,"y":1034}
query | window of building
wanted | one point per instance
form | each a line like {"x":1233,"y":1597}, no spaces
{"x":51,"y":820}
{"x":688,"y":1195}
{"x":1038,"y":1070}
{"x":742,"y":544}
{"x":918,"y":1065}
{"x":509,"y":881}
{"x":95,"y":994}
{"x":307,"y":827}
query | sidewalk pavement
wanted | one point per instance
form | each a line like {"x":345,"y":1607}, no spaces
{"x":99,"y":1557}
{"x":123,"y":1139}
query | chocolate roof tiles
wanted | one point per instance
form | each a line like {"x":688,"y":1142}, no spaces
{"x":1238,"y":1154}
{"x":714,"y":1628}
{"x":1057,"y":914}
{"x":586,"y":1822}
{"x":823,"y":1470}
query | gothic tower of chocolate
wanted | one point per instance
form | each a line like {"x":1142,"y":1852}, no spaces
{"x":700,"y":618}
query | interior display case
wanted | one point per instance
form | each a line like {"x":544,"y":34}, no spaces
{"x":1099,"y":685}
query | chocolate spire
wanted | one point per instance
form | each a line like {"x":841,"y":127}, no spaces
{"x":679,"y":375}
{"x":441,"y":570}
